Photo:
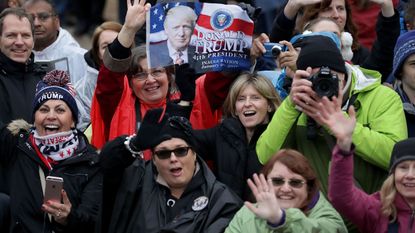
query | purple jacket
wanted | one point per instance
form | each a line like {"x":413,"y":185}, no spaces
{"x":362,"y":209}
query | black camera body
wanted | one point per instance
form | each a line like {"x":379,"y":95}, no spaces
{"x":273,"y":50}
{"x":325,"y":83}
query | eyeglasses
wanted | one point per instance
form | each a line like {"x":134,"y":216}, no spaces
{"x":178,"y":152}
{"x":154,"y":73}
{"x":43,"y":16}
{"x":295,"y":183}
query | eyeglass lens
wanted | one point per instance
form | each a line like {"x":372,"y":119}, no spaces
{"x":154,"y":73}
{"x":178,"y":152}
{"x":295,"y":183}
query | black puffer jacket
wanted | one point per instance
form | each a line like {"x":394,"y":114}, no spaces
{"x":234,"y":159}
{"x":81,"y":175}
{"x":133,"y":201}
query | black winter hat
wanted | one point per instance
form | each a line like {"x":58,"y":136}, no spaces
{"x":176,"y":127}
{"x":403,"y":150}
{"x":317,"y":51}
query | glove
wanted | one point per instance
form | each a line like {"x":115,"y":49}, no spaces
{"x":253,"y":12}
{"x":150,"y":127}
{"x":186,"y":81}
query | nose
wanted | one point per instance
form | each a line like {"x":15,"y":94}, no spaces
{"x":19,"y":39}
{"x":335,"y":14}
{"x":411,"y":173}
{"x":51,"y":115}
{"x":247,"y":101}
{"x":285,"y":187}
{"x":173,"y":157}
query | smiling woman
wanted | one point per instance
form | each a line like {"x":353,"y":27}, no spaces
{"x":288,"y":200}
{"x":52,"y":147}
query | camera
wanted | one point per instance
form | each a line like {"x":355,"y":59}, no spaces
{"x":273,"y":49}
{"x":325,"y":83}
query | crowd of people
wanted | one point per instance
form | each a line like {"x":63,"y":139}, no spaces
{"x":319,"y":137}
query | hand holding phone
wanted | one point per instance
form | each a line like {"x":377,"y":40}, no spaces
{"x":53,"y":189}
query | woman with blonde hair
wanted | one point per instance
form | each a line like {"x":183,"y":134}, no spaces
{"x":250,"y":104}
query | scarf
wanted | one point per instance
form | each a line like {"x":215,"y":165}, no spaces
{"x":58,"y":146}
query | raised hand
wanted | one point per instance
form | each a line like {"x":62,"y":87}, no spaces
{"x":289,"y":57}
{"x":340,"y":125}
{"x":267,"y":206}
{"x":258,"y":48}
{"x":293,"y":6}
{"x":134,"y":20}
{"x":387,"y":7}
{"x":302,"y":93}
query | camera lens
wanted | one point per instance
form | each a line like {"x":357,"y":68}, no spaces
{"x":276,"y":50}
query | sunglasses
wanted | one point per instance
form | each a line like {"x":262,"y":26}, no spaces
{"x":178,"y":152}
{"x":295,"y":183}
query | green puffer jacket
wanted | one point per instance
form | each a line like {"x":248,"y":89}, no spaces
{"x":380,"y":124}
{"x":321,"y":218}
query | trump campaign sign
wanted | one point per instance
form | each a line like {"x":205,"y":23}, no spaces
{"x":208,"y":36}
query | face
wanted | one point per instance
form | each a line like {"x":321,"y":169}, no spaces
{"x":337,"y":12}
{"x":408,"y":74}
{"x":178,"y":32}
{"x":405,"y":180}
{"x":288,"y":197}
{"x":153,"y":89}
{"x":16,"y":41}
{"x":53,"y":116}
{"x":251,"y":107}
{"x":176,"y":171}
{"x":46,"y":24}
{"x":105,"y":38}
{"x":326,"y":26}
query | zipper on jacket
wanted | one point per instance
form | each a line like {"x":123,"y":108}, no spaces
{"x":411,"y":221}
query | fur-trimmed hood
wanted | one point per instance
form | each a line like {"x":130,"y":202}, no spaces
{"x":18,"y":125}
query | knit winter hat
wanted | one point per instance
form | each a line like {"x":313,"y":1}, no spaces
{"x":403,"y":150}
{"x":56,"y":86}
{"x":405,"y":46}
{"x":317,"y":51}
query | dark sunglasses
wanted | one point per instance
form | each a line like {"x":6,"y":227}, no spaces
{"x":295,"y":183}
{"x":178,"y":152}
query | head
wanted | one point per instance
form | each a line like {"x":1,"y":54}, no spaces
{"x":323,"y":25}
{"x":54,"y":106}
{"x":401,"y":177}
{"x":409,"y":15}
{"x":178,"y":26}
{"x":46,"y":22}
{"x":318,"y":51}
{"x":174,"y":155}
{"x":251,"y":98}
{"x":103,"y":35}
{"x":16,"y":34}
{"x":301,"y":183}
{"x":404,"y":59}
{"x":338,"y":10}
{"x":149,"y":85}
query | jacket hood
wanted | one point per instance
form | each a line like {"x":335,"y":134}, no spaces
{"x":362,"y":79}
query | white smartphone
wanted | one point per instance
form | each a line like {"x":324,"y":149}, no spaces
{"x":53,"y":189}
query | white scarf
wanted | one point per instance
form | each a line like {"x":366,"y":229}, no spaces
{"x":58,"y":146}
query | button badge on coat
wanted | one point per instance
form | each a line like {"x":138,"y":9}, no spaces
{"x":200,"y":203}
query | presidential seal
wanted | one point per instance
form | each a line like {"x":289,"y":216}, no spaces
{"x":221,"y":19}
